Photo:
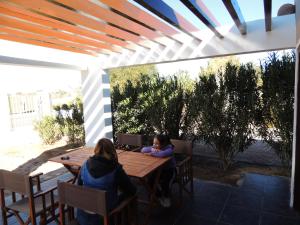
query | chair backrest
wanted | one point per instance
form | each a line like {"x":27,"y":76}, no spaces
{"x":182,"y":147}
{"x":130,"y":139}
{"x":85,"y":198}
{"x":14,"y":182}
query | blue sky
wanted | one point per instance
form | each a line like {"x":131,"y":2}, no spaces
{"x":251,"y":10}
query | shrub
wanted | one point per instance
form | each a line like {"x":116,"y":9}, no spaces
{"x":276,"y":125}
{"x":224,"y":110}
{"x":154,"y":105}
{"x":164,"y":103}
{"x":71,"y":121}
{"x":48,"y":130}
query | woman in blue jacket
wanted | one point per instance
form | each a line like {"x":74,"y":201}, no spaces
{"x":162,"y":147}
{"x":103,"y":171}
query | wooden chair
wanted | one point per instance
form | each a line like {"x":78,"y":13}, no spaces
{"x":94,"y":200}
{"x":132,"y":142}
{"x":183,"y":154}
{"x":29,"y":196}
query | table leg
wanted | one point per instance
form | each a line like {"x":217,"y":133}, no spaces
{"x":74,"y":171}
{"x":152,"y":192}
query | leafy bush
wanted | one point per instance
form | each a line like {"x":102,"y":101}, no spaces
{"x":71,"y":121}
{"x":154,"y":105}
{"x":276,"y":126}
{"x":129,"y":112}
{"x":48,"y":130}
{"x":164,"y":101}
{"x":224,"y":110}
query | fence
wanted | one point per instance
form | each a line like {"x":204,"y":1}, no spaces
{"x":26,"y":108}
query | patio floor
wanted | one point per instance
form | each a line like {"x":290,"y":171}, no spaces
{"x":260,"y":200}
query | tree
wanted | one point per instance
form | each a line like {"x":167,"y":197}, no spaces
{"x":217,"y":65}
{"x":120,"y":76}
{"x":225,"y":108}
{"x":276,"y":127}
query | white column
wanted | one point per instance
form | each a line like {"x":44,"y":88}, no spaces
{"x":96,"y":105}
{"x":295,"y":178}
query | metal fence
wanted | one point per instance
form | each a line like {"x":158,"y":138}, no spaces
{"x":24,"y":109}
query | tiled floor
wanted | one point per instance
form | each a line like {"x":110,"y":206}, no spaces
{"x":260,"y":200}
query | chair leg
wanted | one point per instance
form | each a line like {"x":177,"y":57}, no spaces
{"x":192,"y":187}
{"x":134,"y":212}
{"x":70,"y":211}
{"x":4,"y":216}
{"x":3,"y":209}
{"x":43,"y":219}
{"x":180,"y":193}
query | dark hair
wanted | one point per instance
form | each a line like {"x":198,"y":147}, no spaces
{"x":106,"y":149}
{"x":163,"y":139}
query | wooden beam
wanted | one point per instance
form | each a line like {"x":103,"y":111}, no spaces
{"x":18,"y":24}
{"x":199,"y":10}
{"x":142,"y":17}
{"x":54,"y":10}
{"x":268,"y":14}
{"x":113,"y":18}
{"x":43,"y":44}
{"x":24,"y":14}
{"x":236,"y":14}
{"x":166,"y":13}
{"x":43,"y":38}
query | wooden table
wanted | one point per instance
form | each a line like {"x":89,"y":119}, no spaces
{"x":73,"y":160}
{"x":135,"y":164}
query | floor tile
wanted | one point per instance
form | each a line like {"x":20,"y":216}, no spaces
{"x":194,"y":220}
{"x":249,"y":200}
{"x":239,"y":216}
{"x":209,"y":210}
{"x":214,"y":193}
{"x":272,"y":219}
{"x":279,"y":207}
{"x":255,"y":178}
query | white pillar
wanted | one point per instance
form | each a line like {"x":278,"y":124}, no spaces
{"x":295,"y":179}
{"x":96,"y":105}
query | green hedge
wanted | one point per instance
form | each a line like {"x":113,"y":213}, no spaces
{"x":225,"y":107}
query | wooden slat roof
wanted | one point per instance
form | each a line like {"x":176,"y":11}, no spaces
{"x":106,"y":26}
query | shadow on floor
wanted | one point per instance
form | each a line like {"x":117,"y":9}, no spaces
{"x":33,"y":164}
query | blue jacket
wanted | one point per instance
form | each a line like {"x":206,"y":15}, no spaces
{"x":106,"y":183}
{"x":98,"y":172}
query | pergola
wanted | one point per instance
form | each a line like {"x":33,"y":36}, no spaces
{"x":102,"y":34}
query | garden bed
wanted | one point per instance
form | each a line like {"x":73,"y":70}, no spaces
{"x":209,"y":169}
